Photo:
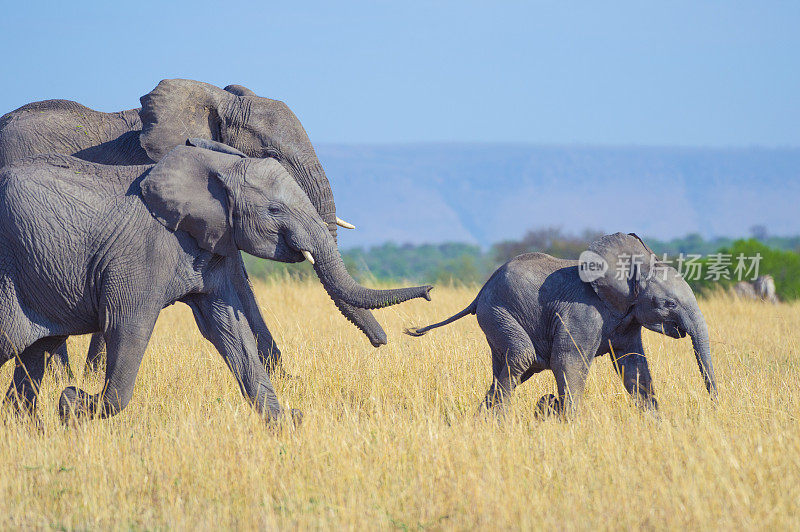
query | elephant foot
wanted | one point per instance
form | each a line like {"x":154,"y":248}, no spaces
{"x":73,"y":405}
{"x":649,"y":407}
{"x":547,"y":406}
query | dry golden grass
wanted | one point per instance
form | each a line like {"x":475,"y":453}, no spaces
{"x":389,"y":438}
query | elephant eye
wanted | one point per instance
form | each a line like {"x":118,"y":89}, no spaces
{"x":274,"y":209}
{"x":670,"y":303}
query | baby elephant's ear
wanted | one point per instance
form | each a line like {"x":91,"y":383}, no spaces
{"x":626,"y":263}
{"x":185,"y":191}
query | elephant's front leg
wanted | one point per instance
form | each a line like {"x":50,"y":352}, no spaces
{"x":570,"y":363}
{"x":631,"y":365}
{"x":221,"y":319}
{"x":126,"y":341}
{"x":268,"y":350}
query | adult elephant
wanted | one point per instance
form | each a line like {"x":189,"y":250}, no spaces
{"x":139,"y":239}
{"x":172,"y":112}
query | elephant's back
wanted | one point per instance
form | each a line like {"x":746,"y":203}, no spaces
{"x":54,"y":206}
{"x":53,"y":168}
{"x":526,"y":286}
{"x":63,"y":127}
{"x":528,"y":272}
{"x":63,"y":191}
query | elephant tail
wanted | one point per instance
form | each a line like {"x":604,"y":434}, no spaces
{"x":419,"y":331}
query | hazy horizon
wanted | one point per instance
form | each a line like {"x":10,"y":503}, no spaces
{"x":482,"y":193}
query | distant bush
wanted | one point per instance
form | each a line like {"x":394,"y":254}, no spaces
{"x":268,"y":269}
{"x":449,"y":262}
{"x":550,"y":240}
{"x":695,"y":243}
{"x":429,"y":263}
{"x":783,"y":266}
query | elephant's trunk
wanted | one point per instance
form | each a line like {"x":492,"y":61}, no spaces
{"x":310,"y":175}
{"x":698,"y":330}
{"x":364,"y":320}
{"x":341,"y":286}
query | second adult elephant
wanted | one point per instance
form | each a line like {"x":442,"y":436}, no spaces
{"x":174,"y":110}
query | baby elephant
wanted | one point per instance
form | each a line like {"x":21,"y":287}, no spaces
{"x":539,"y":312}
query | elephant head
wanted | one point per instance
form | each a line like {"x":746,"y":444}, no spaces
{"x":636,"y":284}
{"x":258,"y":127}
{"x":239,"y":90}
{"x":228,"y":202}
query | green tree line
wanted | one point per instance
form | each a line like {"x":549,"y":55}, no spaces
{"x":461,"y":263}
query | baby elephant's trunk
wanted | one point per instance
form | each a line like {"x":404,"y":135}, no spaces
{"x":702,"y":350}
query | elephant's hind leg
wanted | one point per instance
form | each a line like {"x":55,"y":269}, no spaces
{"x":28,"y":372}
{"x":512,"y":356}
{"x":503,"y":383}
{"x":127,"y":341}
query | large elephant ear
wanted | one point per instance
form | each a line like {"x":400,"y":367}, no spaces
{"x":177,"y":109}
{"x":626,"y":267}
{"x":186,"y":191}
{"x":239,"y":90}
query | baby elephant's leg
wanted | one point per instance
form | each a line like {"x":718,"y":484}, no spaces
{"x":570,"y":365}
{"x":503,"y":383}
{"x":631,"y":365}
{"x":512,"y":356}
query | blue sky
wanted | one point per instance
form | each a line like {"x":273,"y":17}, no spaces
{"x":700,"y":73}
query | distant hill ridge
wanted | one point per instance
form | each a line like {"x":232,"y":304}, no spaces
{"x":484,"y":193}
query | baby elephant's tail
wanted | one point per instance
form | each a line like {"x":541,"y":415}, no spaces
{"x":414,"y":331}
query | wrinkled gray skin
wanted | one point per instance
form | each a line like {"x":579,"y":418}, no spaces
{"x":175,"y":110}
{"x":538,"y":314}
{"x":86,"y":247}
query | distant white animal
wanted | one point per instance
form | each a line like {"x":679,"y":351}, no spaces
{"x":762,"y":288}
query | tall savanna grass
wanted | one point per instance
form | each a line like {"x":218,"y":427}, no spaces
{"x":390,"y":439}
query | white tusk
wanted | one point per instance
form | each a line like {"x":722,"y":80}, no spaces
{"x":342,"y":223}
{"x":307,"y":254}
